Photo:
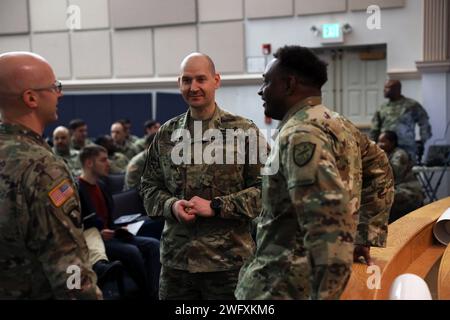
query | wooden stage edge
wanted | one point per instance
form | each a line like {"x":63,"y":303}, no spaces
{"x":411,"y":248}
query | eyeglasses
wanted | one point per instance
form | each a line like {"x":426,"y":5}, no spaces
{"x":56,"y":87}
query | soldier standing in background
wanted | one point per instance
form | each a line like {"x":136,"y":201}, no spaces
{"x":400,"y":114}
{"x":207,"y":208}
{"x":41,"y":241}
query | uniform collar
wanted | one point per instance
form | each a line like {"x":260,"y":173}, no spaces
{"x":18,"y":129}
{"x":310,"y":101}
{"x":214,"y":122}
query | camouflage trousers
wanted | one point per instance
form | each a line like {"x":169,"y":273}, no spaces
{"x":183,"y":285}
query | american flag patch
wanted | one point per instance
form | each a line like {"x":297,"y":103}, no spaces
{"x":61,"y":193}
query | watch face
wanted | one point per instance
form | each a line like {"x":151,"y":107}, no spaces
{"x":215,"y":203}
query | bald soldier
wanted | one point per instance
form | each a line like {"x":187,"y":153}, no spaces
{"x":42,"y":251}
{"x":311,"y":208}
{"x":208,"y":206}
{"x":61,"y":147}
{"x":401,"y":114}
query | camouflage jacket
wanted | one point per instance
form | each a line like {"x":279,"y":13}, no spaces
{"x":209,"y":244}
{"x":128,"y":149}
{"x":306,"y":235}
{"x":76,"y":146}
{"x":401,"y":117}
{"x":41,"y":238}
{"x":118,"y":163}
{"x":72,"y":160}
{"x":134,"y":170}
{"x":140,"y":144}
{"x":403,"y":175}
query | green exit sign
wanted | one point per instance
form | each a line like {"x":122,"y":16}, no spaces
{"x":332,"y":33}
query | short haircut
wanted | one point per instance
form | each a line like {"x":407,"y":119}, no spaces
{"x":124,"y":121}
{"x":302,"y":62}
{"x":104,"y":141}
{"x":149,"y":123}
{"x":90,"y":152}
{"x":391,"y":136}
{"x":119,"y":122}
{"x":76,"y":123}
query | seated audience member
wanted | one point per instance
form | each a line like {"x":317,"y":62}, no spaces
{"x":126,"y":123}
{"x":117,"y":161}
{"x":119,"y":136}
{"x":136,"y":166}
{"x":61,"y":147}
{"x":139,"y":255}
{"x":408,"y":192}
{"x":79,"y":134}
{"x":104,"y":269}
{"x":150,"y":127}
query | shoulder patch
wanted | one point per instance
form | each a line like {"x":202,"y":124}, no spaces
{"x":303,"y":153}
{"x":61,"y":193}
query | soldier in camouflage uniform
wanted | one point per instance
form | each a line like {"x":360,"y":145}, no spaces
{"x":150,"y":127}
{"x":207,"y":208}
{"x":136,"y":166}
{"x":309,"y":221}
{"x":408,"y":192}
{"x":117,"y":161}
{"x":118,"y":134}
{"x":42,"y":250}
{"x":61,"y":147}
{"x":400,"y":114}
{"x":79,"y":134}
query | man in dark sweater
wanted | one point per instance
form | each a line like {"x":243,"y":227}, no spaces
{"x":139,"y":255}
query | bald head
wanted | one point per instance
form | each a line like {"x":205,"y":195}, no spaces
{"x":61,"y":139}
{"x":393,"y":89}
{"x":197,"y":57}
{"x":22,"y":70}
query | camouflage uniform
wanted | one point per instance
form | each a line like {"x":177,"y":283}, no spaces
{"x":118,"y":163}
{"x":72,"y":159}
{"x":401,"y":117}
{"x":306,"y":236}
{"x":128,"y":149}
{"x":408,"y":192}
{"x":134,"y":170}
{"x":40,"y":223}
{"x":75,"y":146}
{"x":132,"y":138}
{"x":140,"y":144}
{"x":377,"y":195}
{"x":217,"y":244}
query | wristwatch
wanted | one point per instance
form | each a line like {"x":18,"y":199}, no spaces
{"x":216,"y":205}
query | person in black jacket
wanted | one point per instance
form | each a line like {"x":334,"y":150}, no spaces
{"x":139,"y":255}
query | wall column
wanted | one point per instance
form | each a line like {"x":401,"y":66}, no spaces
{"x":435,"y":70}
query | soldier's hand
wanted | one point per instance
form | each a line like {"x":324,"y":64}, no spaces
{"x":202,"y":207}
{"x":182,"y":210}
{"x":364,"y":252}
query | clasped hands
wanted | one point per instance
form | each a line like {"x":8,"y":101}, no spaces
{"x":187,"y":211}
